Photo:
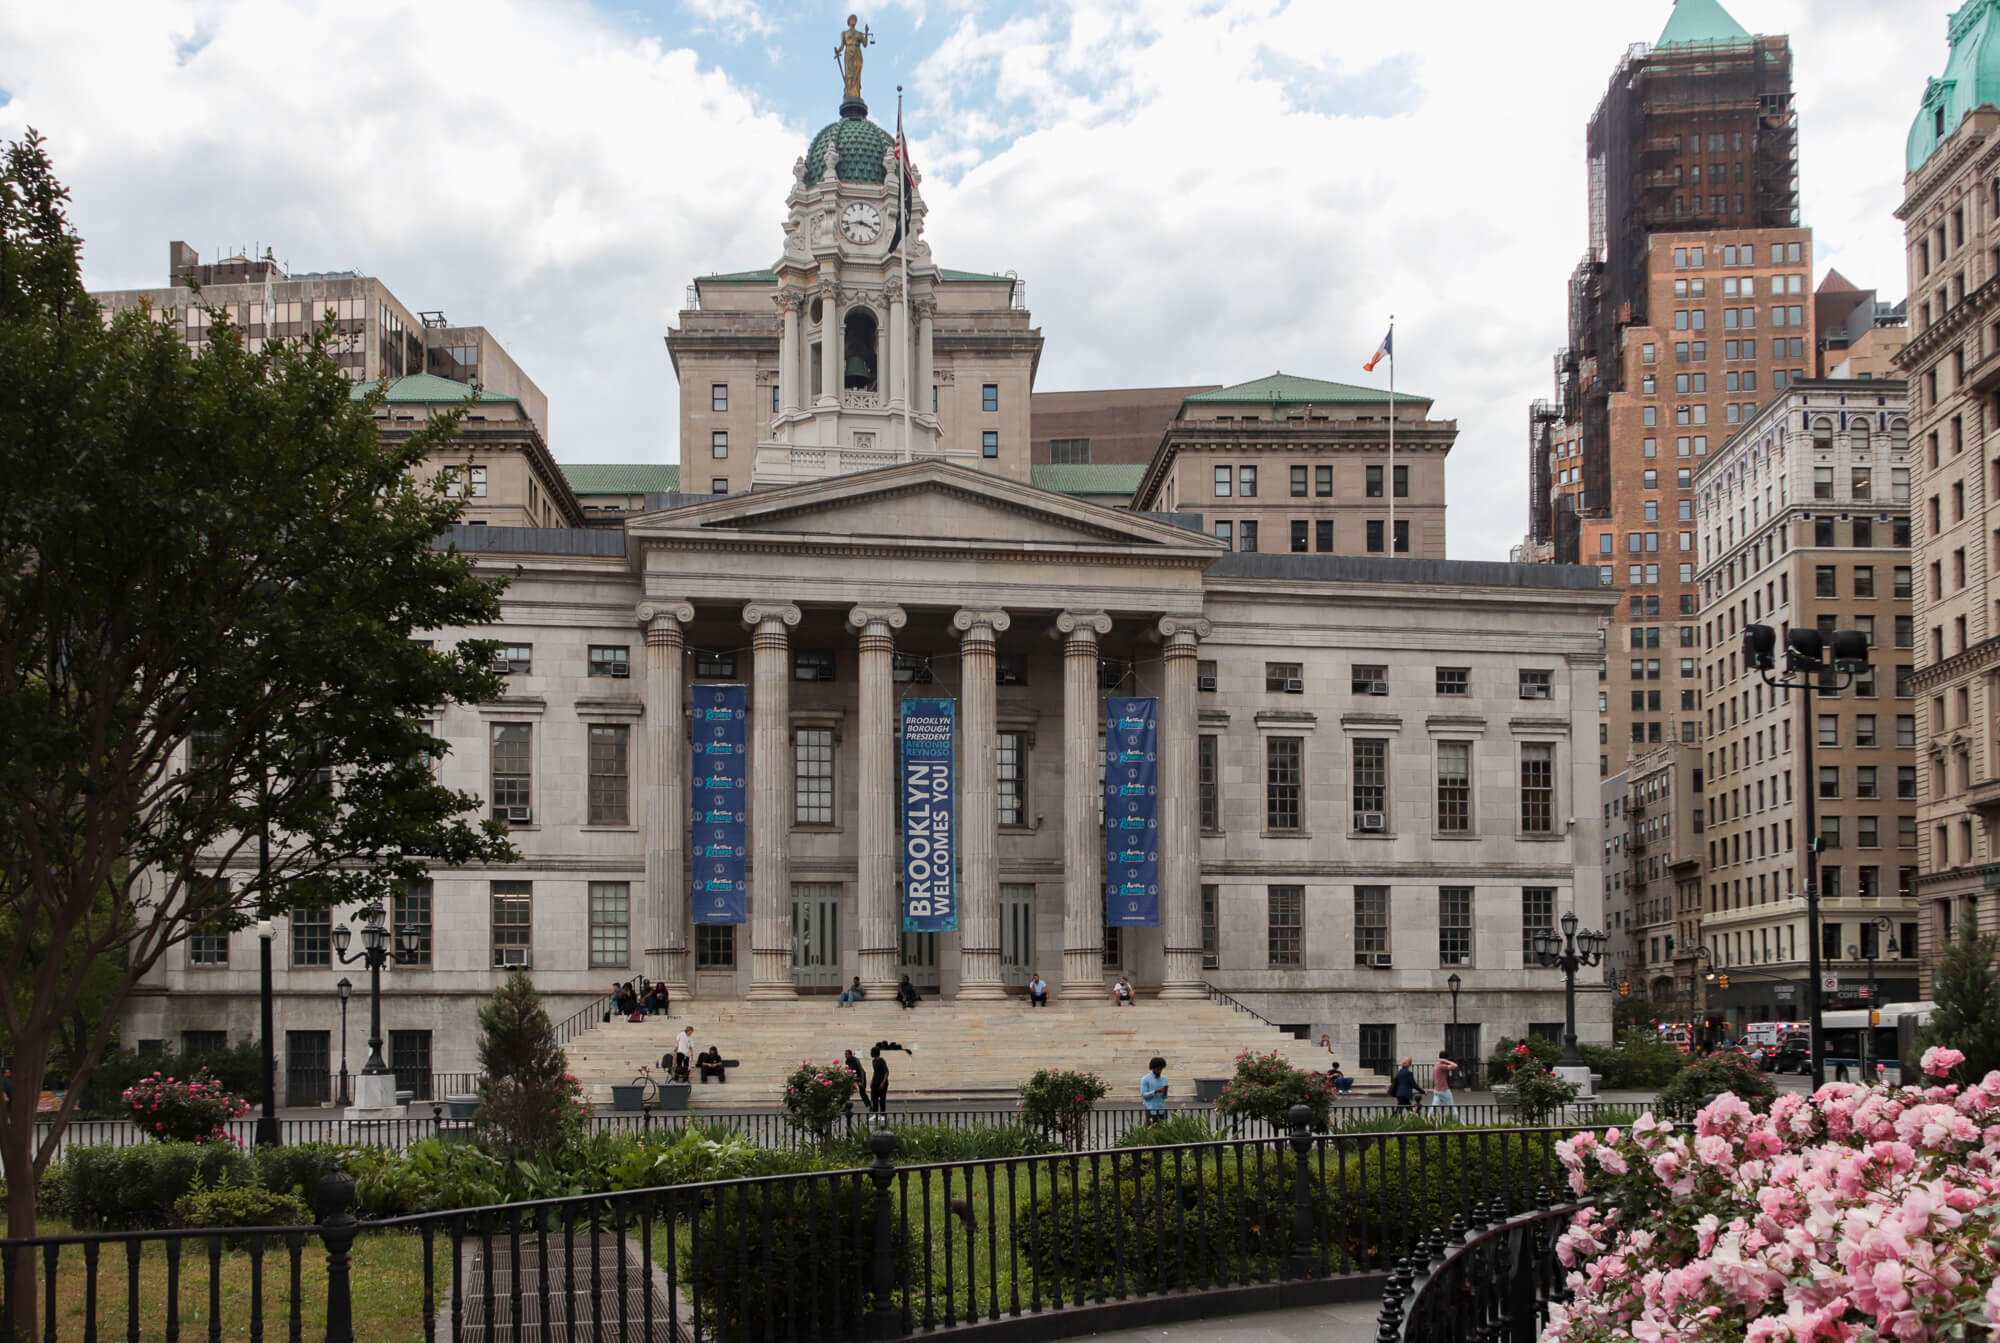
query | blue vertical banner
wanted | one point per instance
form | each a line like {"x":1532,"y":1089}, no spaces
{"x":715,"y":858}
{"x":1131,"y":813}
{"x":930,"y":810}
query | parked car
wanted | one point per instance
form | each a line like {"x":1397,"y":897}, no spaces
{"x":1794,"y":1055}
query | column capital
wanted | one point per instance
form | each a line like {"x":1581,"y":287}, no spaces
{"x":1086,"y":624}
{"x":662,"y":617}
{"x":861,"y":617}
{"x":1194,"y":627}
{"x":790,"y":299}
{"x":765,"y":612}
{"x":980,"y":625}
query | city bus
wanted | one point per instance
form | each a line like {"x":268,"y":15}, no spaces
{"x":1844,"y":1040}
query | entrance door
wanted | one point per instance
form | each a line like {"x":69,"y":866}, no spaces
{"x":1017,"y":935}
{"x":917,"y":957}
{"x":410,"y":1060}
{"x":815,"y":935}
{"x":308,"y":1080}
{"x":1461,"y":1046}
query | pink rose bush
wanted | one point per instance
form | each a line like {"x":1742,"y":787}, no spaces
{"x":192,"y":1109}
{"x":1855,"y":1213}
{"x":816,"y":1096}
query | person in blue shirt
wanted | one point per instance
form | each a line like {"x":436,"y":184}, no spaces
{"x":1153,"y":1090}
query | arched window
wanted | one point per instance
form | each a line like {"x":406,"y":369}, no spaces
{"x":1822,"y":434}
{"x":1899,"y":435}
{"x":859,"y":330}
{"x":1857,"y":433}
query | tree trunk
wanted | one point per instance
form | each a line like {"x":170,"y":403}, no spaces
{"x":17,"y":1162}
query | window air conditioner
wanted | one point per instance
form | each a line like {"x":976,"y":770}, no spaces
{"x":1206,"y":683}
{"x":1534,"y":692}
{"x":1370,"y":820}
{"x":502,"y":665}
{"x":1295,"y":686}
{"x":621,"y":671}
{"x":511,"y":957}
{"x":515,"y":815}
{"x":1376,"y":688}
{"x":1380,"y":960}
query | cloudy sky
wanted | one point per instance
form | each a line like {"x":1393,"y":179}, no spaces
{"x":1193,"y":190}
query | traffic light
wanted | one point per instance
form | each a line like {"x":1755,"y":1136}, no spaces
{"x":1624,"y":988}
{"x":1722,"y":980}
{"x":1874,"y":1018}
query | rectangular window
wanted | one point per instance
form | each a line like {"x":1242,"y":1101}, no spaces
{"x":1375,"y":534}
{"x":1246,"y":482}
{"x":714,"y":666}
{"x":718,"y":445}
{"x":514,"y":659}
{"x":1211,"y":927}
{"x":410,"y":916}
{"x":718,"y":484}
{"x":715,"y":946}
{"x":1208,"y":785}
{"x":1323,"y":482}
{"x":1010,"y":763}
{"x":513,"y":778}
{"x":312,"y":937}
{"x":989,"y":443}
{"x":1371,"y":783}
{"x":1246,"y":536}
{"x":1538,"y":914}
{"x":1301,"y":537}
{"x":1283,"y":678}
{"x":1453,"y":680}
{"x":1538,"y":788}
{"x":1454,"y":787}
{"x":610,"y":925}
{"x":774,"y":398}
{"x":1454,"y":925}
{"x":1536,"y":683}
{"x":1371,"y":925}
{"x":1283,"y":779}
{"x":1377,"y":1049}
{"x":513,"y":922}
{"x":812,"y":776}
{"x":410,"y":1061}
{"x":1010,"y":669}
{"x":1370,"y":679}
{"x":1374,"y":486}
{"x":1323,"y":536}
{"x":812,"y":664}
{"x":989,"y":396}
{"x":1867,"y":832}
{"x":1225,"y":482}
{"x":1402,"y":536}
{"x":1286,"y":926}
{"x":911,"y":669}
{"x":1069,"y":451}
{"x":1402,"y":482}
{"x":1298,"y":481}
{"x":718,"y":396}
{"x":612,"y":660}
{"x":610,"y":785}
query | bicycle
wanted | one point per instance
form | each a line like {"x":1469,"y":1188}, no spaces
{"x":649,"y":1086}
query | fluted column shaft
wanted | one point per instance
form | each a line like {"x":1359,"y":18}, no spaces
{"x":979,"y":806}
{"x":921,"y":393}
{"x":899,"y":351}
{"x":664,"y":809}
{"x":875,"y":795}
{"x":770,"y":799}
{"x":1083,"y":830}
{"x":788,"y":356}
{"x":830,"y":362}
{"x":1180,"y":808}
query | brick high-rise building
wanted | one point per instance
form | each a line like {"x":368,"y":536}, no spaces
{"x":1691,"y":306}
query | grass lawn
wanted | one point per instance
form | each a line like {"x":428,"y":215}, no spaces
{"x":387,"y":1274}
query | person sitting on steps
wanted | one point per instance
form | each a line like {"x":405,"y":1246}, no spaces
{"x":906,"y":993}
{"x":1121,"y":992}
{"x":1038,"y":991}
{"x":711,"y":1065}
{"x":852,"y":994}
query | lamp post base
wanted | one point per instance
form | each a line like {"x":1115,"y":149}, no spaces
{"x":374,"y":1097}
{"x":1578,"y":1074}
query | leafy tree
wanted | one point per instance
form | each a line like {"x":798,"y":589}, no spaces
{"x":1968,"y":1005}
{"x":1628,"y":1014}
{"x":211,"y":569}
{"x":529,"y":1103}
{"x":1682,"y":1096}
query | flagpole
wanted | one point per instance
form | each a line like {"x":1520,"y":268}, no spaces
{"x":1392,"y":433}
{"x":903,"y":255}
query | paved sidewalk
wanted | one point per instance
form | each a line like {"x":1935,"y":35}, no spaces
{"x":1349,"y":1322}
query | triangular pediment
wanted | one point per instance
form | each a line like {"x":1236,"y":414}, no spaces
{"x":922,"y":503}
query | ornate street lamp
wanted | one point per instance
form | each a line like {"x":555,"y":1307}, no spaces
{"x":345,"y":990}
{"x":1809,"y":657}
{"x":1453,"y":984}
{"x":376,"y":1088}
{"x":1570,"y":952}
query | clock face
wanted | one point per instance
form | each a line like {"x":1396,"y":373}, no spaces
{"x":860,"y":222}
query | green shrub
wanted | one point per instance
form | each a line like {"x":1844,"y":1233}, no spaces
{"x":1641,"y":1062}
{"x":1728,"y":1071}
{"x":238,"y":1067}
{"x":1539,"y":1095}
{"x":917,"y":1144}
{"x":1267,"y":1086}
{"x":688,"y":1157}
{"x":530,"y":1106}
{"x":816,"y":1098}
{"x":136,"y":1188}
{"x":233,"y":1205}
{"x":297,"y":1170}
{"x":1545,"y":1052}
{"x":1172,"y":1130}
{"x":1058,"y":1104}
{"x":429,"y":1176}
{"x":193,"y":1108}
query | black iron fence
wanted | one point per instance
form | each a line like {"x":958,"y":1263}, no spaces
{"x":768,"y":1128}
{"x":881,"y":1252}
{"x":1489,"y":1275}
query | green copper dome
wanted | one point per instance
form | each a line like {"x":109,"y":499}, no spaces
{"x":861,"y":145}
{"x":1971,"y":77}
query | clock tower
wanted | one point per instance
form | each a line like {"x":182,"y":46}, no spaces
{"x":856,"y":293}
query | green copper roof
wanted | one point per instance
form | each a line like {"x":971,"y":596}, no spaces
{"x":740,"y":277}
{"x":862,"y":144}
{"x":621,"y":477}
{"x":1700,"y":22}
{"x":1971,"y":77}
{"x":429,"y":389}
{"x":1109,"y":478}
{"x":944,"y":274}
{"x":1282,"y":389}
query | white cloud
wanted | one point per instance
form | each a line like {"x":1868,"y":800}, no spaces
{"x":1195,"y":190}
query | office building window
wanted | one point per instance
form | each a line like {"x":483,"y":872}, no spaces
{"x":1283,"y":777}
{"x":1225,"y":482}
{"x":1454,"y":680}
{"x":513,"y":777}
{"x":1298,"y":481}
{"x":1322,"y":482}
{"x":715,"y":946}
{"x":1374,"y":482}
{"x":514,"y":659}
{"x":1538,"y":914}
{"x":513,"y":904}
{"x":312,"y":937}
{"x":1069,"y":451}
{"x":718,"y":484}
{"x":1371,"y":925}
{"x":1209,"y":791}
{"x":989,"y":396}
{"x":612,"y":660}
{"x":718,"y":396}
{"x":610,"y":786}
{"x":1454,"y":786}
{"x":1286,"y":906}
{"x":1301,"y":536}
{"x":1377,"y":1049}
{"x":1246,"y":482}
{"x":1010,"y":763}
{"x":714,"y":666}
{"x":410,"y":917}
{"x":989,"y":443}
{"x":1454,"y":925}
{"x":1371,"y":783}
{"x":1538,"y":788}
{"x":718,"y":445}
{"x":812,"y":776}
{"x":1323,"y":536}
{"x":1246,"y":536}
{"x":610,"y":925}
{"x":1283,"y":678}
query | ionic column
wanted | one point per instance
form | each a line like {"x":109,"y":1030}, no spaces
{"x":831,"y":333}
{"x":922,"y":391}
{"x":664,"y":809}
{"x":898,"y":348}
{"x":1083,"y":830}
{"x":788,"y":351}
{"x":875,"y":795}
{"x":979,"y":809}
{"x":770,"y":798}
{"x":1180,"y":811}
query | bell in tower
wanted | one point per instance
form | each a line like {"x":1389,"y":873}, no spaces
{"x":858,"y":336}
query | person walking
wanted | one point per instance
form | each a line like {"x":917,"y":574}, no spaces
{"x":851,"y":995}
{"x":878,"y":1085}
{"x":1038,"y":990}
{"x":1153,"y":1090}
{"x":1441,"y":1097}
{"x":683,"y":1052}
{"x":1404,"y":1086}
{"x":853,"y":1063}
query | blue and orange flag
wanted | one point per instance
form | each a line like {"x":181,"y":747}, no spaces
{"x":1382,"y":351}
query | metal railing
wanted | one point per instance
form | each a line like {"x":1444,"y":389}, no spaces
{"x":1488,"y":1275}
{"x":881,"y":1252}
